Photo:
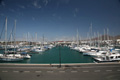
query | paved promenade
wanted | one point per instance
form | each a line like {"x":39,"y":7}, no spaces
{"x":101,"y":71}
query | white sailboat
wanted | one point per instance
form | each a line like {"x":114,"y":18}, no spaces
{"x":77,"y":47}
{"x":6,"y":56}
{"x":38,"y":48}
{"x":10,"y":58}
{"x":23,"y":55}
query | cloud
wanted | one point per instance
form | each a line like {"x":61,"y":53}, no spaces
{"x":46,"y":2}
{"x":20,"y":14}
{"x":74,"y":14}
{"x":2,"y":14}
{"x":76,"y":10}
{"x":65,"y":1}
{"x":59,"y":17}
{"x":33,"y":18}
{"x":2,"y":3}
{"x":21,"y":6}
{"x":36,"y":4}
{"x":12,"y":10}
{"x":54,"y":14}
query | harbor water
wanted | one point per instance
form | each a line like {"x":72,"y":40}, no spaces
{"x":55,"y":56}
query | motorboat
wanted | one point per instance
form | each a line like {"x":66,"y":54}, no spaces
{"x":108,"y":57}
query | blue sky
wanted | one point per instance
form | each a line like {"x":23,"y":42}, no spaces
{"x":60,"y":19}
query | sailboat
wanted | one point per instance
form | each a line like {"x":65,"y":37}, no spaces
{"x":77,"y":47}
{"x":38,"y":48}
{"x":6,"y":56}
{"x":23,"y":55}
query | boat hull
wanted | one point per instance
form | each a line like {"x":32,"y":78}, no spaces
{"x":10,"y":59}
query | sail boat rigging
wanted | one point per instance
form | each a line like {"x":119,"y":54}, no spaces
{"x":7,"y":57}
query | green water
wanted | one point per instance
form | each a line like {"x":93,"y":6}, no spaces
{"x":52,"y":56}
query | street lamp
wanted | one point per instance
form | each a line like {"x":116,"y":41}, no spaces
{"x":59,"y":57}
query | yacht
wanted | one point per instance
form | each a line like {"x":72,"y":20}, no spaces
{"x":38,"y":49}
{"x":23,"y":55}
{"x":10,"y":58}
{"x":108,"y":57}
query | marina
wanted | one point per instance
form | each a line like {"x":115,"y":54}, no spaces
{"x":52,"y":57}
{"x":96,"y":49}
{"x":59,"y":39}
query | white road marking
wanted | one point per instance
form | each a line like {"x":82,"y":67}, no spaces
{"x":61,"y":71}
{"x":74,"y":71}
{"x":4,"y":71}
{"x":16,"y":71}
{"x":56,"y":67}
{"x":30,"y":67}
{"x":85,"y":71}
{"x":108,"y":70}
{"x":49,"y":71}
{"x":26,"y":71}
{"x":97,"y":71}
{"x":38,"y":71}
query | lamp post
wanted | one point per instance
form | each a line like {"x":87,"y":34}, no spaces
{"x":59,"y":57}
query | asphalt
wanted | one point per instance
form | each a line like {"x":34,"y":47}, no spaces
{"x":100,"y":71}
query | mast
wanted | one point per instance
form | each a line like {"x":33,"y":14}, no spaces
{"x":98,"y":40}
{"x":77,"y":38}
{"x":11,"y":37}
{"x":108,"y":35}
{"x":36,"y":39}
{"x":28,"y":39}
{"x":43,"y":39}
{"x":90,"y":34}
{"x":87,"y":38}
{"x":113,"y":38}
{"x":80,"y":40}
{"x":5,"y":34}
{"x":94,"y":39}
{"x":104,"y":35}
{"x":14,"y":36}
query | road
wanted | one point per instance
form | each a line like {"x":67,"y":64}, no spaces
{"x":108,"y":71}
